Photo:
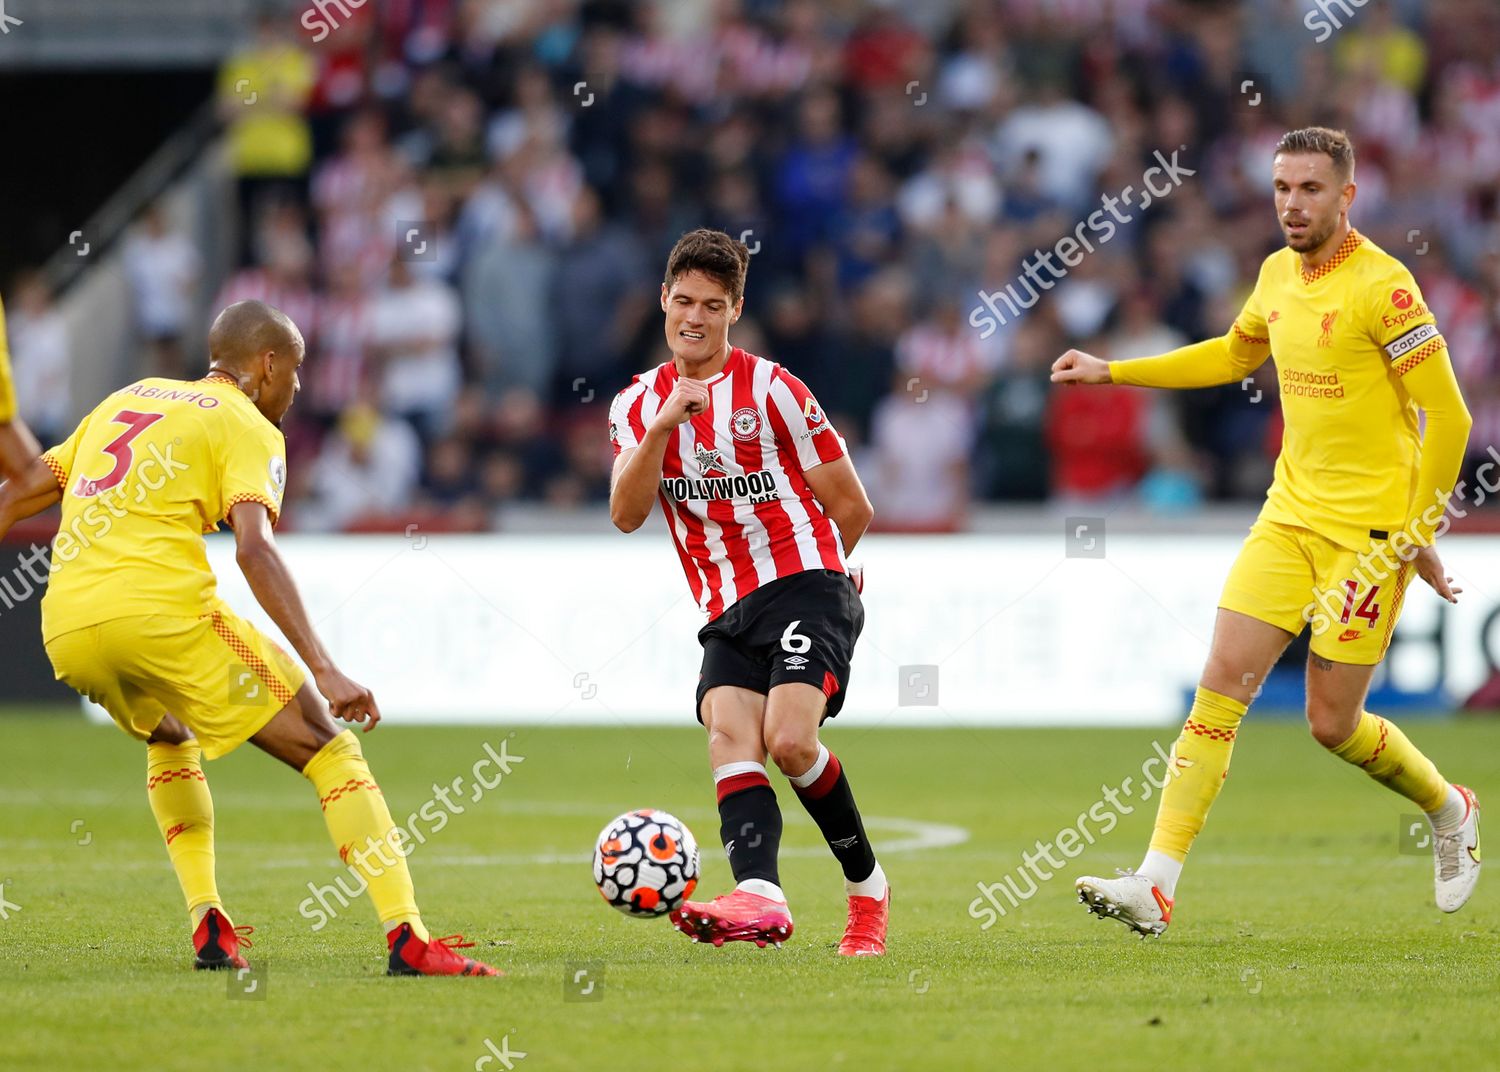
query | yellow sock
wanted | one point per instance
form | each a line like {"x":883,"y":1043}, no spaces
{"x":184,"y":812}
{"x":362,"y":829}
{"x":1386,"y":754}
{"x":1200,"y":764}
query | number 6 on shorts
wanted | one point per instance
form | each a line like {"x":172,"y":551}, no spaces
{"x":795,"y":642}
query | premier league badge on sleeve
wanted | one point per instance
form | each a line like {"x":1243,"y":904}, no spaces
{"x":277,"y":484}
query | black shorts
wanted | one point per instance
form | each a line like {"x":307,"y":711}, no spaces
{"x":797,"y":628}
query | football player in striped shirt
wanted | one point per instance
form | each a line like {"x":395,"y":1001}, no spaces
{"x":1358,"y":499}
{"x":18,"y":447}
{"x":763,"y":506}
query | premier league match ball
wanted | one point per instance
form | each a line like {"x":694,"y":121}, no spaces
{"x":646,"y":863}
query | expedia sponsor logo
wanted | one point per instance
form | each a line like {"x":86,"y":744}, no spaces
{"x":756,"y":487}
{"x":1404,"y":344}
{"x":1416,"y":312}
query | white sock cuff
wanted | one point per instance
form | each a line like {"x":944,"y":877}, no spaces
{"x":763,"y":888}
{"x":1451,"y":812}
{"x":813,"y":773}
{"x":873,"y":886}
{"x":729,"y":770}
{"x":1162,"y":870}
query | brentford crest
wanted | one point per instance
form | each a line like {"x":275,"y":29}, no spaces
{"x":745,"y":423}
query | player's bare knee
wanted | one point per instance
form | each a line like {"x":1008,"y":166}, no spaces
{"x":1227,"y":678}
{"x":1329,"y":724}
{"x":728,"y":747}
{"x":170,"y":731}
{"x":299,"y":731}
{"x":1326,"y":734}
{"x":792,"y":751}
{"x":314,"y":712}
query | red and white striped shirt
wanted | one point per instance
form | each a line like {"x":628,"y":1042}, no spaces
{"x":733,"y":487}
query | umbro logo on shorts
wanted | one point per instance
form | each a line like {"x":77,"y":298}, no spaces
{"x":795,"y":662}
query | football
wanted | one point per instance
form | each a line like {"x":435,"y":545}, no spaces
{"x":646,"y":863}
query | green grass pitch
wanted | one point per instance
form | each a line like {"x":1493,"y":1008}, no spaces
{"x":1303,"y":938}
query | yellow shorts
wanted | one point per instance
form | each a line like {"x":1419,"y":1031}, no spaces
{"x":217,"y":674}
{"x":1291,"y":577}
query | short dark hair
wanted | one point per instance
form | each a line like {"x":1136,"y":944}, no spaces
{"x":1334,"y":144}
{"x":713,"y":253}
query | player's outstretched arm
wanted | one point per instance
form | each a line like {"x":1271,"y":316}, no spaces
{"x":18,"y":449}
{"x":637,"y":472}
{"x":1227,"y":359}
{"x":28,"y":494}
{"x":839,"y":491}
{"x":275,"y":591}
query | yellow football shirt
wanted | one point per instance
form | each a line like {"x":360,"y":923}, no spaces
{"x":147,"y":473}
{"x":7,"y":387}
{"x":1358,"y":354}
{"x":267,"y":90}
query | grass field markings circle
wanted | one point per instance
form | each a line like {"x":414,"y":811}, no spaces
{"x":918,"y":836}
{"x":913,"y":835}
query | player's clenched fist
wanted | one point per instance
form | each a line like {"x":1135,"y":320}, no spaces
{"x":688,"y":399}
{"x":1075,"y":366}
{"x":348,"y":700}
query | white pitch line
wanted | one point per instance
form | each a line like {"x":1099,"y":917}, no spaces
{"x":913,"y":836}
{"x":920,"y":836}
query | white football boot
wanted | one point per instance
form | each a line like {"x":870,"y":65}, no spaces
{"x":1455,"y":858}
{"x":1132,"y":899}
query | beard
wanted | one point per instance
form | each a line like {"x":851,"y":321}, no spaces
{"x":1311,"y":239}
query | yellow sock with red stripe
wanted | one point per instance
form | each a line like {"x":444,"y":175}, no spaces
{"x":1382,"y":751}
{"x":1200,"y":763}
{"x":184,"y":811}
{"x":362,"y":830}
